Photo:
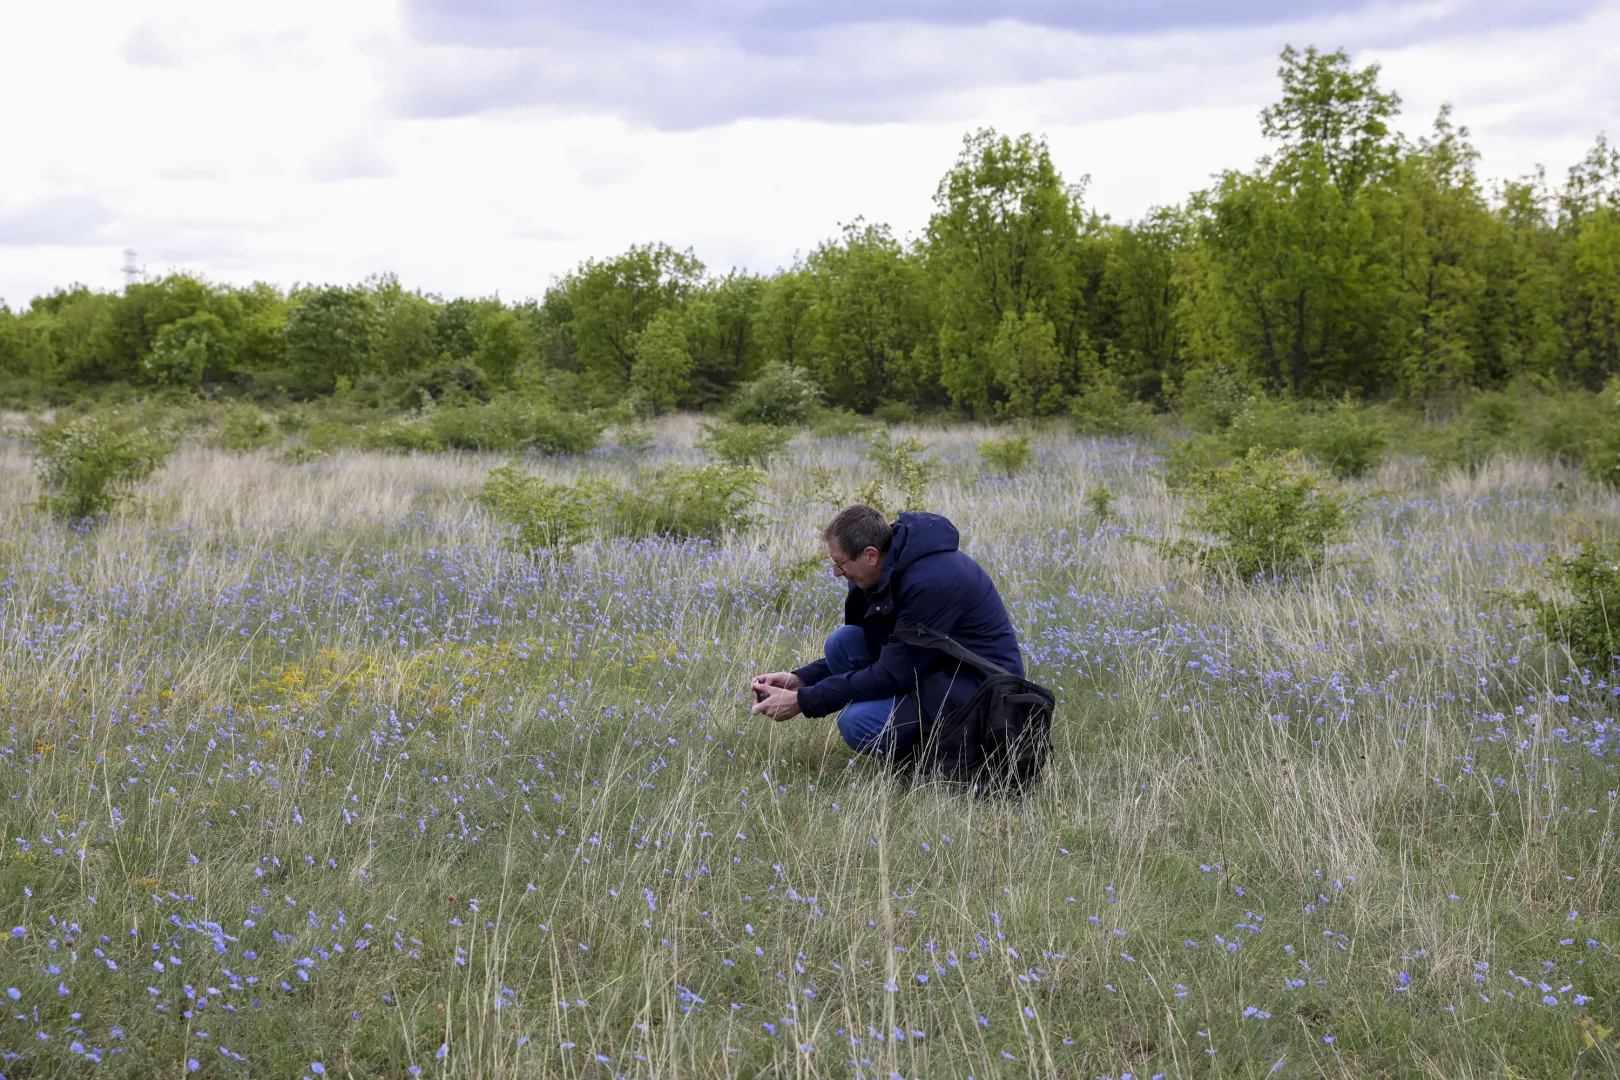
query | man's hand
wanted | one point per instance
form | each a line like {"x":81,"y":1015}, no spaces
{"x":779,"y":703}
{"x":786,"y":680}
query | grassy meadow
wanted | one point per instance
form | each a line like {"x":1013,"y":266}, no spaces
{"x":304,"y":771}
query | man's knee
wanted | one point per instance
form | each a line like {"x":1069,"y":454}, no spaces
{"x":862,"y":723}
{"x":846,"y":649}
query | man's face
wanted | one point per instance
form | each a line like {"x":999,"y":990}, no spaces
{"x":863,"y":569}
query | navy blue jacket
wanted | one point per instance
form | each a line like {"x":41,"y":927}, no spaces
{"x":926,"y":582}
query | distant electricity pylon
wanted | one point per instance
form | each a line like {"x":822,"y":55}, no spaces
{"x":131,"y":271}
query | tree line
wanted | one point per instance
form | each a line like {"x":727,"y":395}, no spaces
{"x":1348,"y":260}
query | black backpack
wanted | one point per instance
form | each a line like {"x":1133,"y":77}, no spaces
{"x":1002,"y":736}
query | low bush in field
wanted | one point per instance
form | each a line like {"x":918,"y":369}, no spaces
{"x":706,"y":501}
{"x":87,"y":466}
{"x":246,"y":427}
{"x":546,"y":515}
{"x":1106,"y":409}
{"x":1011,"y":455}
{"x":506,"y":424}
{"x":1268,"y":513}
{"x":677,"y":501}
{"x":755,"y":445}
{"x":1349,"y":441}
{"x":779,"y":395}
{"x":1588,"y":623}
{"x":444,"y":383}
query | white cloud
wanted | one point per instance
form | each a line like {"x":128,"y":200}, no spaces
{"x":259,"y":140}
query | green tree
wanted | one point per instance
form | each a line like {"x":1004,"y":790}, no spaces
{"x":1332,"y":115}
{"x":720,"y":335}
{"x":330,"y":333}
{"x":613,"y":301}
{"x":1027,"y":366}
{"x":1439,"y":232}
{"x":868,"y":315}
{"x":186,"y":349}
{"x":503,"y":347}
{"x":1142,"y":287}
{"x":661,"y":369}
{"x":1004,"y":238}
{"x":407,"y":328}
{"x":784,"y":328}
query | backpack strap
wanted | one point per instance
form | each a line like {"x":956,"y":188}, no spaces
{"x":923,"y":637}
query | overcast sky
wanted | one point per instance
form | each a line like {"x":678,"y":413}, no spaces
{"x":481,"y":146}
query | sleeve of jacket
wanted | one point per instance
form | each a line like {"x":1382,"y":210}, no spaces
{"x":895,"y":671}
{"x":813,"y":672}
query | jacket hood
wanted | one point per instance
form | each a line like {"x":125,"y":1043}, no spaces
{"x":917,"y":535}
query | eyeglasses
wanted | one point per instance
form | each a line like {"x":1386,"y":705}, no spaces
{"x":839,"y":564}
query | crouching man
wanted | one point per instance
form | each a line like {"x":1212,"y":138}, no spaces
{"x":911,"y":575}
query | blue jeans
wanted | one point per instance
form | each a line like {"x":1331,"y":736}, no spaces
{"x":886,"y":728}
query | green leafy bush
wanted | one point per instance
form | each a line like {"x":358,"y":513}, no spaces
{"x":896,"y":412}
{"x":506,"y":424}
{"x":1100,"y":501}
{"x":546,"y":515}
{"x":511,"y":424}
{"x":839,"y":423}
{"x":410,"y":435}
{"x":1268,"y":513}
{"x":1011,"y":455}
{"x":89,"y":465}
{"x":1588,"y":624}
{"x":677,"y":501}
{"x":1267,"y":424}
{"x":905,"y":464}
{"x":744,"y":444}
{"x":245,"y":427}
{"x":1209,"y":399}
{"x":446,"y":383}
{"x":1104,"y":408}
{"x":1348,"y":440}
{"x":779,"y":395}
{"x":682,"y":501}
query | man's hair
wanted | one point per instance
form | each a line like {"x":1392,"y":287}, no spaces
{"x":857,"y":528}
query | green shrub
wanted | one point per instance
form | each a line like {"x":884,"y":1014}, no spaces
{"x":89,"y":465}
{"x":1100,"y":501}
{"x":1193,"y":456}
{"x":401,"y":436}
{"x":1209,"y":399}
{"x":1348,"y":440}
{"x":1490,"y":425}
{"x":1267,"y":424}
{"x":1104,"y":408}
{"x":245,"y":427}
{"x":896,"y":412}
{"x":511,"y":424}
{"x":546,"y":515}
{"x":744,"y":444}
{"x":446,"y":383}
{"x":1268,"y":512}
{"x":1568,"y":428}
{"x":839,"y":423}
{"x":1011,"y":455}
{"x":905,"y":464}
{"x":779,"y":395}
{"x":682,"y":501}
{"x":633,"y":440}
{"x":1600,"y":455}
{"x":677,"y":501}
{"x":1588,"y":624}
